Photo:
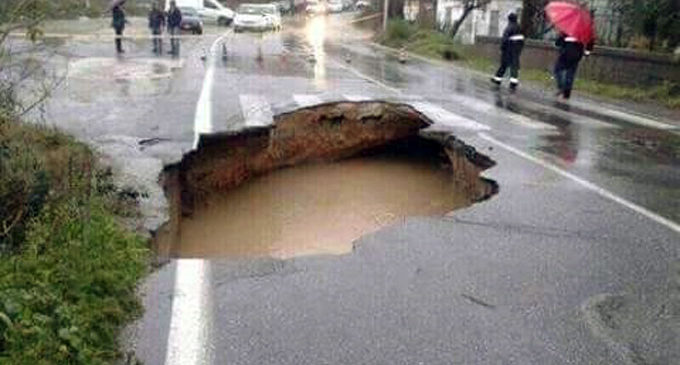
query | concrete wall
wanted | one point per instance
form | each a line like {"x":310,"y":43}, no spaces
{"x":612,"y":65}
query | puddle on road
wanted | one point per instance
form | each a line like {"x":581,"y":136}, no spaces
{"x":315,"y":181}
{"x":317,"y":208}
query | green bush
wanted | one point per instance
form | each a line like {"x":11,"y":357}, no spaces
{"x":426,"y":42}
{"x":67,"y":285}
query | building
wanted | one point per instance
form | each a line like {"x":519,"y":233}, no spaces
{"x":487,"y":21}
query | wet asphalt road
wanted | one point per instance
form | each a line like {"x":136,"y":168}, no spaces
{"x":513,"y":280}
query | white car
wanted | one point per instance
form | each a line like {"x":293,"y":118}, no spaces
{"x":363,"y":4}
{"x":335,"y":6}
{"x":257,"y":17}
{"x":209,"y":10}
{"x":315,"y":7}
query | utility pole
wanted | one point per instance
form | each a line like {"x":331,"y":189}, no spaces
{"x":385,"y":11}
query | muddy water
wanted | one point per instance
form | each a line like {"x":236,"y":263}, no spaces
{"x":317,"y":209}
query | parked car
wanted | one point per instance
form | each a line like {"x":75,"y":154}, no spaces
{"x":335,"y":6}
{"x":208,"y":10}
{"x":363,"y":5}
{"x":315,"y":7}
{"x":191,"y":21}
{"x":285,"y":6}
{"x":257,"y":17}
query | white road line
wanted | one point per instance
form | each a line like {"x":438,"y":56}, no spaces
{"x":256,"y":110}
{"x":190,"y":314}
{"x":189,"y":324}
{"x":356,"y":98}
{"x":367,"y":78}
{"x":307,"y":100}
{"x":203,"y":117}
{"x":528,"y":122}
{"x":573,"y":118}
{"x":631,"y":118}
{"x":586,"y":184}
{"x":442,"y":116}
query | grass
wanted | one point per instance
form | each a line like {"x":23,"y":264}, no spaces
{"x":68,"y":269}
{"x":436,"y":45}
{"x":425,"y":42}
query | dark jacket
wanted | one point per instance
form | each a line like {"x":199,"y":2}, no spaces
{"x":174,"y":18}
{"x":156,"y":19}
{"x":118,"y":21}
{"x":513,"y":40}
{"x":571,"y":50}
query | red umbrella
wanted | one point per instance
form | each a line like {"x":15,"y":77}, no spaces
{"x":572,"y":19}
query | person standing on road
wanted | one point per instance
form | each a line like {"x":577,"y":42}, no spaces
{"x":571,"y":51}
{"x":511,"y":50}
{"x":174,"y":22}
{"x":118,"y":24}
{"x":156,"y":24}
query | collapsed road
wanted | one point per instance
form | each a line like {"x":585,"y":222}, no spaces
{"x":320,"y":134}
{"x":573,"y":261}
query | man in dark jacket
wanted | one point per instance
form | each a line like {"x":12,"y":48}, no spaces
{"x":156,"y":24}
{"x":571,"y":52}
{"x":511,"y":50}
{"x":118,"y":24}
{"x":174,"y":22}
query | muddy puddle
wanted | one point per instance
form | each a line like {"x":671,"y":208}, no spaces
{"x":317,"y":208}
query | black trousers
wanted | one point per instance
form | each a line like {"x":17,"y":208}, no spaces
{"x":509,"y":60}
{"x":119,"y":39}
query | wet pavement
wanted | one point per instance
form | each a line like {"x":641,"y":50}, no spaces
{"x":587,"y":212}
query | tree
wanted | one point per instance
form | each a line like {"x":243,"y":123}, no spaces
{"x":532,"y":17}
{"x":468,"y":7}
{"x":19,"y":70}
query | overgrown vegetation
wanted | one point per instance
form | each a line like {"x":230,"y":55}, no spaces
{"x":68,"y":270}
{"x":423,"y":41}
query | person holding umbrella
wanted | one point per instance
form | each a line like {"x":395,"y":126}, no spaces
{"x":577,"y":37}
{"x":118,"y":23}
{"x":511,"y":49}
{"x":571,"y":51}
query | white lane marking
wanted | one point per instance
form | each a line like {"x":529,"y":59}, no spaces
{"x":307,"y":100}
{"x":442,"y":116}
{"x":528,"y":122}
{"x":356,"y":98}
{"x":573,"y":118}
{"x":190,"y":307}
{"x":586,"y":184}
{"x":256,"y":110}
{"x":409,"y":97}
{"x":631,"y":118}
{"x":203,"y":117}
{"x":189,"y":329}
{"x":367,"y":78}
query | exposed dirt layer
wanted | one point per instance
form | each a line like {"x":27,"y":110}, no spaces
{"x":322,"y":134}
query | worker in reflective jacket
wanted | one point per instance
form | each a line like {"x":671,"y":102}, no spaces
{"x":571,"y":51}
{"x":511,"y":49}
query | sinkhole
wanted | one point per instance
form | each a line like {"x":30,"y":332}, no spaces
{"x":315,"y":181}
